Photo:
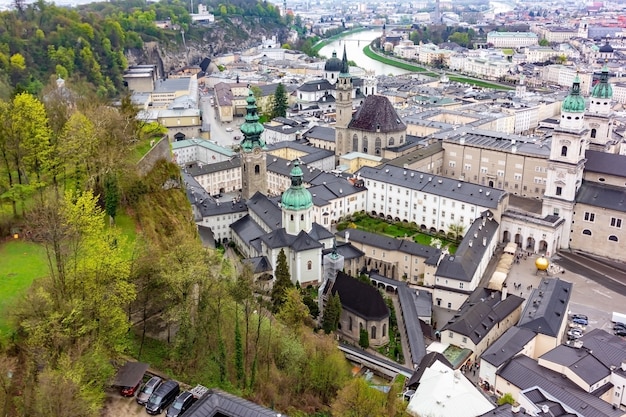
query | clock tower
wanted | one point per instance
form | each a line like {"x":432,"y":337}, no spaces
{"x":253,"y":159}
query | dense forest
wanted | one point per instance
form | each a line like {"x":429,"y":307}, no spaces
{"x":69,"y":183}
{"x":88,"y":44}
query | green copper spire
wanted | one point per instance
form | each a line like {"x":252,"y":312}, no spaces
{"x":296,"y":197}
{"x":603,"y":89}
{"x":251,"y":128}
{"x":574,"y":102}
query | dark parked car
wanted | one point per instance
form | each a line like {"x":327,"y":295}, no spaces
{"x":182,"y":403}
{"x":147,"y":390}
{"x":619,"y":326}
{"x":620,"y":332}
{"x":580,"y":316}
{"x":130,"y":391}
{"x":162,"y":397}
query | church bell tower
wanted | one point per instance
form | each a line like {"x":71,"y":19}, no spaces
{"x":253,"y":152}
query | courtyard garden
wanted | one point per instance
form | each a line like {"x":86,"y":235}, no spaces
{"x":411,"y":230}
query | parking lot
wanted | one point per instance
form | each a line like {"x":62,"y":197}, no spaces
{"x":588,"y":297}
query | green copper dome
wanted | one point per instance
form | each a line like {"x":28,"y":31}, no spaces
{"x":296,"y":197}
{"x":603,"y":89}
{"x":251,"y":128}
{"x":574,"y":102}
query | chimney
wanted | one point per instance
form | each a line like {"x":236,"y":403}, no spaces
{"x":347,"y":236}
{"x":545,"y":409}
{"x":623,"y":365}
{"x":515,"y":408}
{"x":505,"y":292}
{"x":470,"y":243}
{"x":484,"y":241}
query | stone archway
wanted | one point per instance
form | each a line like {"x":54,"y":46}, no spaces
{"x":506,"y":237}
{"x":530,"y":244}
{"x":543,"y":246}
{"x":519,"y":240}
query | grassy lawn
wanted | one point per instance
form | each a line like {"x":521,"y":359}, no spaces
{"x":20,"y":263}
{"x":404,"y":65}
{"x":478,"y":83}
{"x":396,"y":229}
{"x":508,"y":51}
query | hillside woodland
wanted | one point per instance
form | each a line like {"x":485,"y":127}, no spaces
{"x":92,"y":44}
{"x":67,"y":173}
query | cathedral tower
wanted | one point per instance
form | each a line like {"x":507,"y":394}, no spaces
{"x":343,"y":106}
{"x":599,"y":117}
{"x":567,"y":161}
{"x":253,"y":159}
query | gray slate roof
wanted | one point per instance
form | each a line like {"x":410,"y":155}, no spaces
{"x":483,"y":310}
{"x":602,"y":195}
{"x":377,"y":114}
{"x":605,"y":163}
{"x":359,"y":297}
{"x":390,"y":243}
{"x":408,"y":306}
{"x":507,"y":346}
{"x":320,"y":132}
{"x":217,"y":403}
{"x":579,"y":361}
{"x":426,"y":362}
{"x":525,"y":373}
{"x":463,"y":264}
{"x":547,"y":307}
{"x":259,"y":264}
{"x":247,"y":229}
{"x":346,"y":250}
{"x":316,"y":85}
{"x":607,"y":348}
{"x":436,"y":185}
{"x":265,"y":209}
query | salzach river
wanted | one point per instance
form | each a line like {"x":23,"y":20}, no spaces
{"x":354,"y":44}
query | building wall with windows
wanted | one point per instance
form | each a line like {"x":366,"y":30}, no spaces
{"x":518,"y":173}
{"x":598,"y":230}
{"x":512,"y":39}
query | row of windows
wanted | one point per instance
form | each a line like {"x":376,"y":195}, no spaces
{"x":611,"y":238}
{"x":614,"y":222}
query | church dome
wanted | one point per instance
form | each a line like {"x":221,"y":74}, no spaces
{"x":603,"y":89}
{"x":296,"y":197}
{"x":333,"y":64}
{"x":574,"y":102}
{"x":606,"y":48}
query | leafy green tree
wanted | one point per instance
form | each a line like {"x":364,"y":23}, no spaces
{"x":364,"y":339}
{"x":111,"y":197}
{"x":239,"y":366}
{"x":456,"y":230}
{"x":544,"y":42}
{"x":280,"y":104}
{"x":358,"y":399}
{"x":282,"y":281}
{"x":507,"y":398}
{"x":293,"y":312}
{"x":332,"y":314}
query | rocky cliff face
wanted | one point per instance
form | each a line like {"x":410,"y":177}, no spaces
{"x":233,"y":35}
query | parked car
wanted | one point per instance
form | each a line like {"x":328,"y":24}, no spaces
{"x":575,"y":333}
{"x":182,"y":403}
{"x":619,"y":326}
{"x":580,"y":316}
{"x":229,"y":129}
{"x":162,"y":397}
{"x":580,"y":320}
{"x":130,"y":391}
{"x":620,"y":332}
{"x":147,"y":390}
